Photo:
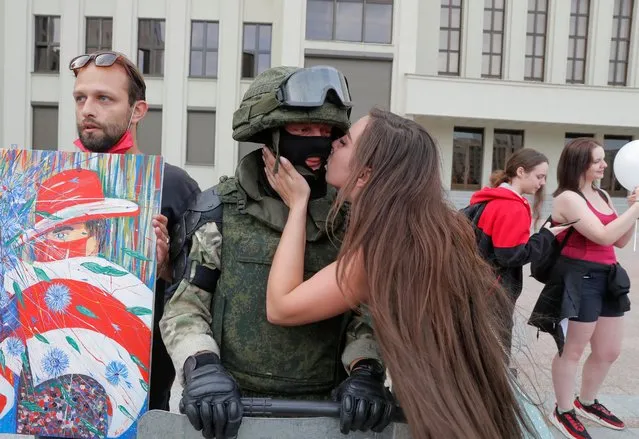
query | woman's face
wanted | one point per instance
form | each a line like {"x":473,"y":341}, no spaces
{"x":338,"y":167}
{"x":597,"y":166}
{"x":534,"y":180}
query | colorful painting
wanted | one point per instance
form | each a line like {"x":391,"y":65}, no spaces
{"x":76,"y":291}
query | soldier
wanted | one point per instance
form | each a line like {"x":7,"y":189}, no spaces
{"x":215,"y":326}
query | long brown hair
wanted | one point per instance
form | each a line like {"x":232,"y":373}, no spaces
{"x":434,"y":301}
{"x":526,"y":158}
{"x":574,"y":161}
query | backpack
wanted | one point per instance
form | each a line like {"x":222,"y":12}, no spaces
{"x":541,"y":269}
{"x":473,"y":213}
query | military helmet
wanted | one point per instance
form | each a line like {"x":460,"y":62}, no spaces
{"x":266,"y":106}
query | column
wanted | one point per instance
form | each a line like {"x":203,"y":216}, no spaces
{"x":228,"y":84}
{"x":176,"y":49}
{"x":16,"y":77}
{"x":72,"y":25}
{"x":557,"y":46}
{"x":487,"y":161}
{"x":125,"y":28}
{"x":429,"y":18}
{"x":472,"y":38}
{"x":633,"y":53}
{"x":293,"y":32}
{"x":407,"y":13}
{"x":598,"y":48}
{"x":514,"y":42}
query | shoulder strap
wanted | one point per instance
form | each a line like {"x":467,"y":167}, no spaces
{"x":207,"y":207}
{"x":603,"y":195}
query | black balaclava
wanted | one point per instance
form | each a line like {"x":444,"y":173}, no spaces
{"x":297,"y":149}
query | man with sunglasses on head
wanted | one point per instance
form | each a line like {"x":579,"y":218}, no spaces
{"x":215,"y":325}
{"x":110,"y":102}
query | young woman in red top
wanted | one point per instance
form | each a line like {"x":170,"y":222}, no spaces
{"x":588,"y":280}
{"x":505,"y":223}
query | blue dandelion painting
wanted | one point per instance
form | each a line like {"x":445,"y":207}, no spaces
{"x":55,"y":362}
{"x":57,"y":298}
{"x":116,"y":372}
{"x":15,"y":348}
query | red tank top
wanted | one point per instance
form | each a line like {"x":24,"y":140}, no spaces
{"x":580,"y":247}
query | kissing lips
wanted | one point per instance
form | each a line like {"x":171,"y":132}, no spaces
{"x":314,"y":163}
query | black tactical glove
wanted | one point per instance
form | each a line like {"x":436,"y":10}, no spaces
{"x":211,"y":397}
{"x":366,"y":402}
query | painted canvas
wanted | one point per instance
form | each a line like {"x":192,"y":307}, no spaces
{"x":77,"y":275}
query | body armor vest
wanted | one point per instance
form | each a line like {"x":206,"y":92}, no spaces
{"x":267,"y":359}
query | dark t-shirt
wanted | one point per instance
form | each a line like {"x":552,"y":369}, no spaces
{"x":178,"y":190}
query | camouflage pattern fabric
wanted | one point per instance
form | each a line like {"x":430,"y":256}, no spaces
{"x":266,"y":359}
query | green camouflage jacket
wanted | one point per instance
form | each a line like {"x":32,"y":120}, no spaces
{"x":188,"y":324}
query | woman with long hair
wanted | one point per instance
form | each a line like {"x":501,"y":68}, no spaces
{"x":504,"y":224}
{"x":587,"y":286}
{"x":411,"y":258}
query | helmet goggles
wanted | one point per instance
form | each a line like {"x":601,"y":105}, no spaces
{"x":311,"y":87}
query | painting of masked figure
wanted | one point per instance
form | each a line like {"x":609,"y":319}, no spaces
{"x":76,"y":291}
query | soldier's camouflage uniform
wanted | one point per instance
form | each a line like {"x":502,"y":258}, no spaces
{"x":267,"y":360}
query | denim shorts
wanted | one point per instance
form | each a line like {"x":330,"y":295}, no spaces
{"x":594,"y":300}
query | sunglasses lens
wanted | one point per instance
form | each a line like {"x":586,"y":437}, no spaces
{"x":105,"y":59}
{"x":79,"y":62}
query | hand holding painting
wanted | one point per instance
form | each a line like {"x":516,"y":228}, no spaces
{"x":626,"y":167}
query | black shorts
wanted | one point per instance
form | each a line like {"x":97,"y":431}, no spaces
{"x":594,"y":300}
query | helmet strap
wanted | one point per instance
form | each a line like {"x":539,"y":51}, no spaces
{"x":276,"y":147}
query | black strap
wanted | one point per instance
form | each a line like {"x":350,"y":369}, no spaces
{"x":205,"y":278}
{"x":563,"y":243}
{"x":568,"y":233}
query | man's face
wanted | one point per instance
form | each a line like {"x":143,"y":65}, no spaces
{"x":102,"y":109}
{"x":310,"y":130}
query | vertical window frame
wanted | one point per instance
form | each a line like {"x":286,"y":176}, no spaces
{"x":450,"y":51}
{"x":205,"y":50}
{"x":489,"y":6}
{"x":574,"y":56}
{"x":537,"y":13}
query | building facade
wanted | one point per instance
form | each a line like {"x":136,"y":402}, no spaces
{"x":484,"y":76}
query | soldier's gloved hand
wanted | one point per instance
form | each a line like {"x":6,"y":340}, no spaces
{"x":211,"y":397}
{"x":365,"y":402}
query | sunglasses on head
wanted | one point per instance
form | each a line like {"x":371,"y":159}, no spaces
{"x":104,"y":59}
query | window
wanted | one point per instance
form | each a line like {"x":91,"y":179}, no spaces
{"x":99,"y":34}
{"x":150,"y":132}
{"x":450,"y":37}
{"x":612,"y":145}
{"x":47,"y":44}
{"x":505,"y":143}
{"x":468,"y":152}
{"x":200,"y":137}
{"x":44,"y":134}
{"x":493,"y":39}
{"x":367,"y":21}
{"x":577,"y":41}
{"x":204,"y":45}
{"x":256,"y":55}
{"x":572,"y":136}
{"x":620,"y":44}
{"x":151,"y":47}
{"x":536,"y":40}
